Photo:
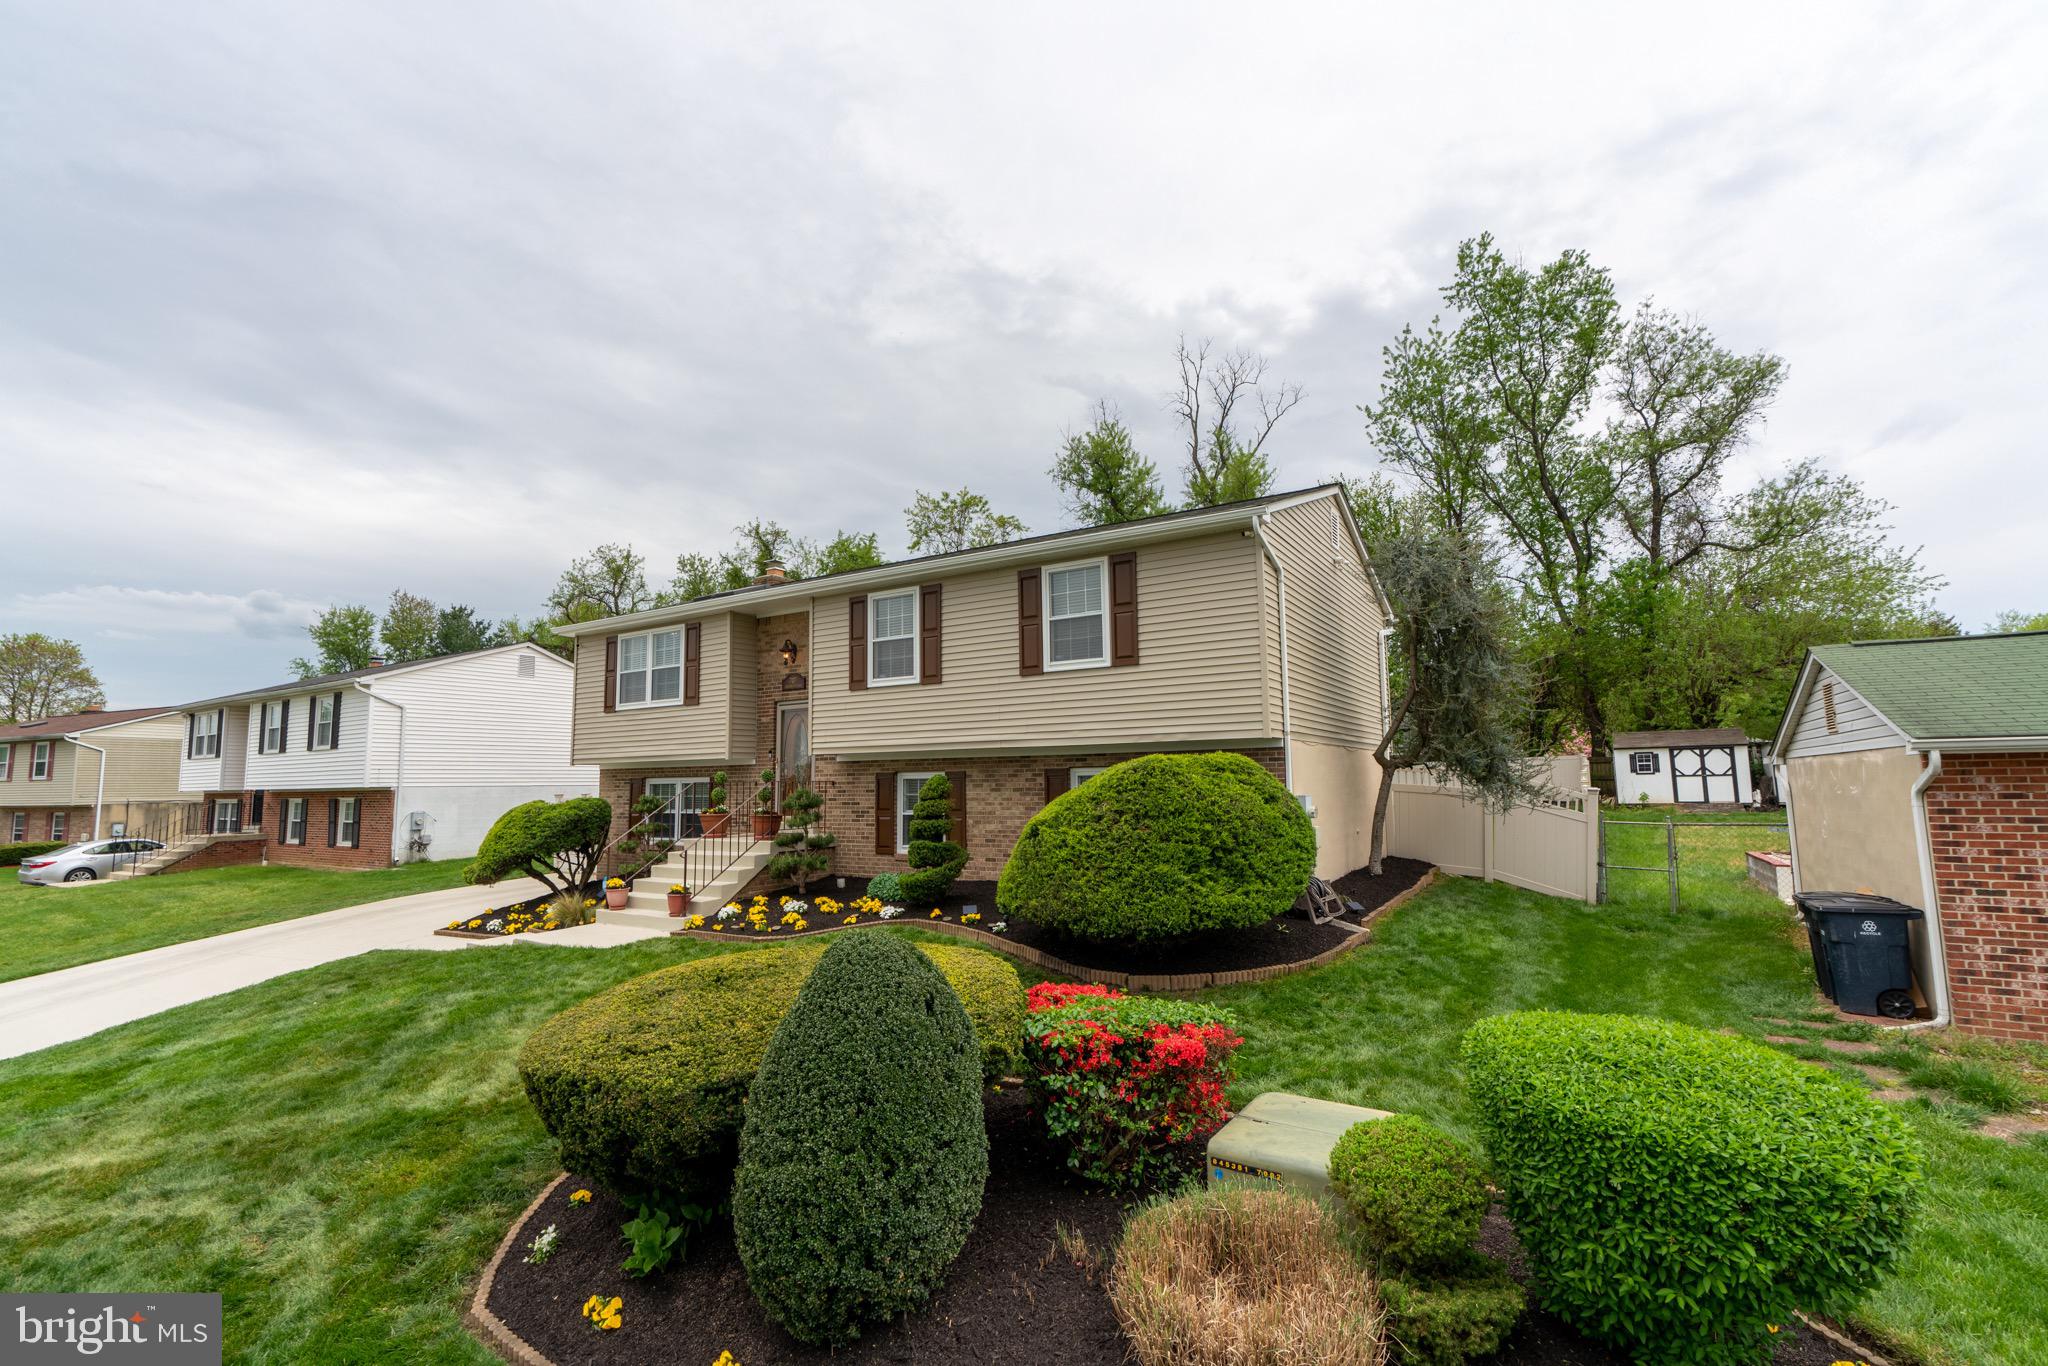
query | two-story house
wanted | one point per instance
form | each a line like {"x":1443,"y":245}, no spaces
{"x":381,"y":765}
{"x":68,"y":777}
{"x":1020,"y":669}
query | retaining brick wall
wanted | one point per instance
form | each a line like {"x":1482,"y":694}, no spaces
{"x":1988,"y":824}
{"x":227,"y":853}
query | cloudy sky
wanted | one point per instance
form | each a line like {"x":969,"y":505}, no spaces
{"x":301,"y":303}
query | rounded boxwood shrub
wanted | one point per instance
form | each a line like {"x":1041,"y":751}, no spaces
{"x":886,"y":887}
{"x":1677,"y":1191}
{"x":643,"y":1085}
{"x":1164,"y":845}
{"x":1463,"y":1309}
{"x":1415,"y":1191}
{"x":864,"y":1154}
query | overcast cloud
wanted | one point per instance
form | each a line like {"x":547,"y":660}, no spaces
{"x":301,"y":303}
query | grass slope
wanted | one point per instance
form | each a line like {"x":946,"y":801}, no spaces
{"x":45,"y":928}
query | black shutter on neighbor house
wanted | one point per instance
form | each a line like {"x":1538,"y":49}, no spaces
{"x":1123,"y":608}
{"x":333,"y":821}
{"x":256,"y":809}
{"x":334,"y":731}
{"x":1030,"y":633}
{"x":1056,"y":782}
{"x":284,"y":821}
{"x":885,"y":813}
{"x":930,"y":639}
{"x":611,"y":673}
{"x":693,"y":660}
{"x":312,"y":719}
{"x":956,"y":811}
{"x":191,"y":737}
{"x":220,"y":730}
{"x":857,"y":643}
{"x":284,"y":725}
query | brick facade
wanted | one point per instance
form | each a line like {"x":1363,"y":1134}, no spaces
{"x":36,"y":828}
{"x":1988,"y":824}
{"x":373,"y":831}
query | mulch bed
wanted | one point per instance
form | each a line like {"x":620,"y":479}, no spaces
{"x":1289,"y":939}
{"x":472,"y":927}
{"x":1013,"y":1295}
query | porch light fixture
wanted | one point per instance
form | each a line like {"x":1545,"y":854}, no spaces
{"x":788,"y":654}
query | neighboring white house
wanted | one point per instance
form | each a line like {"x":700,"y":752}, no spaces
{"x":385,"y":764}
{"x":1683,"y":767}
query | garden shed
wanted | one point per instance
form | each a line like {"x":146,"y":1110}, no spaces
{"x":1918,"y":769}
{"x":1683,"y":767}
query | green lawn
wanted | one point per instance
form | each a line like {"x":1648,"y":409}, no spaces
{"x":44,"y":928}
{"x":339,"y":1150}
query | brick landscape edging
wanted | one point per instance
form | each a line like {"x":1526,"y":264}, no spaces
{"x":1187,"y":981}
{"x":488,"y":1327}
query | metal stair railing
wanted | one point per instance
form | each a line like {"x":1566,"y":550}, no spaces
{"x":704,"y":855}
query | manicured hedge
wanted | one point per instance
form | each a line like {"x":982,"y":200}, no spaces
{"x":864,"y":1153}
{"x":1164,"y":845}
{"x":1462,"y":1309}
{"x":1678,"y":1191}
{"x":12,"y":854}
{"x":1417,"y":1195}
{"x":644,"y":1085}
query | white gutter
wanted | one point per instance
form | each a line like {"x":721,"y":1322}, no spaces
{"x":1937,"y":953}
{"x":398,"y":777}
{"x":100,"y":795}
{"x":1286,"y":695}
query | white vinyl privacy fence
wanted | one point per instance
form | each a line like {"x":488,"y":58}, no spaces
{"x":1552,"y":846}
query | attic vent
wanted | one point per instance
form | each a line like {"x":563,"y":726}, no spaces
{"x":1827,"y":706}
{"x":1336,"y":532}
{"x":526,"y":666}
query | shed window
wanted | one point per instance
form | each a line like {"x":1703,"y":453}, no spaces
{"x":1642,"y":761}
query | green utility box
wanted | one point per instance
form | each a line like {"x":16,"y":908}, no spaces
{"x":1283,"y":1139}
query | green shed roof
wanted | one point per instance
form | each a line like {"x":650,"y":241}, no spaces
{"x":1951,"y":687}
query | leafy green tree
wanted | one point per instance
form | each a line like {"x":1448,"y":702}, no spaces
{"x":410,"y":629}
{"x":43,"y":676}
{"x":556,"y":843}
{"x":802,"y":850}
{"x":1226,"y":412}
{"x":957,"y":521}
{"x":540,"y":631}
{"x":2019,"y":621}
{"x":612,"y":578}
{"x":845,"y":552}
{"x":1431,"y":424}
{"x":699,"y":576}
{"x":345,"y":638}
{"x":459,"y":628}
{"x":1103,"y":478}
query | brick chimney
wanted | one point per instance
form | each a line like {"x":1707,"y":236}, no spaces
{"x":88,"y":711}
{"x":376,"y":661}
{"x":773,"y":572}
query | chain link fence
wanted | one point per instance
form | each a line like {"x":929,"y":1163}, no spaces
{"x":1676,"y":859}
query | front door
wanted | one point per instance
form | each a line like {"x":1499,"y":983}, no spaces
{"x":792,"y":749}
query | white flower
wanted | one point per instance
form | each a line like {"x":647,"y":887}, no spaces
{"x":494,"y":926}
{"x":796,"y":908}
{"x":999,"y":926}
{"x":889,"y":912}
{"x":728,"y":911}
{"x":543,"y":1246}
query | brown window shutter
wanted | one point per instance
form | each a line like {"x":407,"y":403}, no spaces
{"x":611,"y":673}
{"x":857,"y":647}
{"x":885,"y":813}
{"x":1030,"y":632}
{"x":635,"y":790}
{"x":334,"y":731}
{"x":1055,"y":782}
{"x":956,"y":812}
{"x":693,"y":660}
{"x":1123,"y":608}
{"x":928,"y":623}
{"x":333,"y":821}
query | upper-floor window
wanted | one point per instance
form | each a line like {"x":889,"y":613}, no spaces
{"x":270,"y":739}
{"x":1076,"y":615}
{"x":6,"y":763}
{"x":1642,"y":761}
{"x":892,"y":637}
{"x":650,"y":668}
{"x":206,"y":735}
{"x":323,"y":722}
{"x":39,"y":764}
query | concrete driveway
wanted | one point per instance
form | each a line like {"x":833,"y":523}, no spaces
{"x":57,"y":1007}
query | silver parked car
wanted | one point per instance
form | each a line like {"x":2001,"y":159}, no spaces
{"x":84,"y":862}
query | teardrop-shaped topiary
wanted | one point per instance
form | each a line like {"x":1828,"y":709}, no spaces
{"x":864,"y":1153}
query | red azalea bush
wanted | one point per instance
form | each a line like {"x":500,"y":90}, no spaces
{"x":1133,"y":1084}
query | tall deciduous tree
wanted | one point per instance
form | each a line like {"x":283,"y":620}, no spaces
{"x":411,"y":627}
{"x":2019,"y":621}
{"x":1226,"y":412}
{"x":344,"y":637}
{"x":43,"y":676}
{"x":612,"y":578}
{"x":1103,"y":479}
{"x":845,"y":552}
{"x":458,"y":629}
{"x":957,"y":521}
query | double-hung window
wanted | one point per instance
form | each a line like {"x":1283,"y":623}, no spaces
{"x":1076,"y":615}
{"x":650,"y":668}
{"x":39,"y":764}
{"x":19,"y":827}
{"x":227,"y":815}
{"x":295,"y":820}
{"x":323,"y":721}
{"x":686,"y":798}
{"x":6,"y":763}
{"x":345,"y":821}
{"x":270,"y":739}
{"x":1077,"y":776}
{"x":908,"y":785}
{"x":206,"y":735}
{"x":56,"y":825}
{"x":892,"y":637}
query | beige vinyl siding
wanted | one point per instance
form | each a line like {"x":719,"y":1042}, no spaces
{"x":1199,"y":679}
{"x":719,"y":729}
{"x":1333,"y":628}
{"x":1858,"y":725}
{"x":59,"y":789}
{"x":142,"y":759}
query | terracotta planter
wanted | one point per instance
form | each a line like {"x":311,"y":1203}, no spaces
{"x":615,"y":897}
{"x":678,"y":902}
{"x":766,"y":823}
{"x":715,"y":823}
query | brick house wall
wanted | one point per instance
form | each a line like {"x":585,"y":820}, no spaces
{"x":373,"y":831}
{"x":36,"y":828}
{"x":1987,"y":819}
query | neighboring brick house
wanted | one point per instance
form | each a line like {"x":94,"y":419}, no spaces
{"x":1918,"y":769}
{"x":379,"y":765}
{"x":1016,"y":668}
{"x":52,"y":783}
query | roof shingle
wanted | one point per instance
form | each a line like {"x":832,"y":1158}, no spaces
{"x":1951,"y":687}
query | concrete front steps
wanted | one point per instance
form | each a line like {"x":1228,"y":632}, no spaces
{"x":178,"y":851}
{"x":647,"y":904}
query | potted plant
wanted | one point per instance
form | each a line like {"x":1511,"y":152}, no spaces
{"x":615,"y":891}
{"x":716,"y":817}
{"x":767,"y":820}
{"x":678,"y":898}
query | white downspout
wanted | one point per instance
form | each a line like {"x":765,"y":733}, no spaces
{"x":99,"y":796}
{"x":1784,"y":786}
{"x":1286,"y":696}
{"x":1937,"y":953}
{"x":398,"y":776}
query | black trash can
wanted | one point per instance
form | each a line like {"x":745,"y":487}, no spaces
{"x":1862,"y":953}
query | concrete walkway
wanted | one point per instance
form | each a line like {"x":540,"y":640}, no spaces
{"x":57,"y":1007}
